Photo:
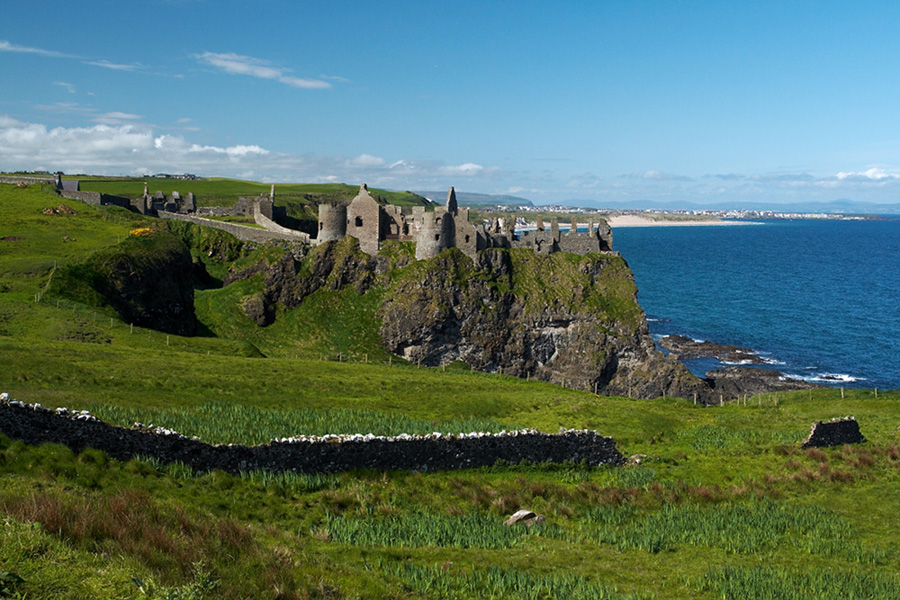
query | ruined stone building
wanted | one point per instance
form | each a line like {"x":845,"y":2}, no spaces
{"x":448,"y":227}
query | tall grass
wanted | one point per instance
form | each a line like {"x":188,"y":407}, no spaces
{"x":497,"y":583}
{"x":232,"y":423}
{"x":416,"y":529}
{"x":732,"y":583}
{"x":735,"y":528}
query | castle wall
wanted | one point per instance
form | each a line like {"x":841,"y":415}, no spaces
{"x":332,"y":223}
{"x":329,"y":454}
{"x":241,"y":232}
{"x":260,"y":218}
{"x":364,"y":221}
{"x":97,"y":199}
{"x":432,"y":237}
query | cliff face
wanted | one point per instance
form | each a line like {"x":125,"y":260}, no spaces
{"x":563,"y":318}
{"x":572,"y":320}
{"x":148,"y":280}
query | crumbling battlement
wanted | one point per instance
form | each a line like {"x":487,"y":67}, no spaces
{"x":33,"y":424}
{"x":447,"y":227}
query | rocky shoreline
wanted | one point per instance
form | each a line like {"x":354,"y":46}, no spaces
{"x":682,"y":348}
{"x":738,"y":379}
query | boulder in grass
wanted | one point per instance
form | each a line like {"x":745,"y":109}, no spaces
{"x":524,"y":517}
{"x":836,"y":432}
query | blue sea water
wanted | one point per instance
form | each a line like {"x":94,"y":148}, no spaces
{"x":820,"y":299}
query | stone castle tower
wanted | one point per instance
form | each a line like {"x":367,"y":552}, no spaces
{"x":332,"y":222}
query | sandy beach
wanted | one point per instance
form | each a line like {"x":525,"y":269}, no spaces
{"x":639,"y":221}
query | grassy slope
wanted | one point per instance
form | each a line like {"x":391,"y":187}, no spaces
{"x":98,"y":523}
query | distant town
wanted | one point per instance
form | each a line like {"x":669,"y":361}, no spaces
{"x":744,"y":215}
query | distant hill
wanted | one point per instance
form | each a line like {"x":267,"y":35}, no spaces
{"x":472,"y":199}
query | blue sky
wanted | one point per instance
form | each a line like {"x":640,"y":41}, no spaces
{"x":597,"y":102}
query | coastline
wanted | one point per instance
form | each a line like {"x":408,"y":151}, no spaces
{"x":639,"y":221}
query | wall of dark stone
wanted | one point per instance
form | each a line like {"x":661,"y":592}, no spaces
{"x":329,"y":454}
{"x":836,"y":432}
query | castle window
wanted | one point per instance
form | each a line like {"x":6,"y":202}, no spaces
{"x":467,"y":239}
{"x":437,"y":237}
{"x":321,"y":225}
{"x":406,"y":229}
{"x":359,"y":221}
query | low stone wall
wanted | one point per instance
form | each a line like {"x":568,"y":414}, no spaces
{"x":241,"y":232}
{"x":274,"y":227}
{"x":27,"y":180}
{"x":836,"y":432}
{"x":329,"y":454}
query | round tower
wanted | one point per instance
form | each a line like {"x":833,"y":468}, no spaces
{"x":433,"y":235}
{"x":332,"y":222}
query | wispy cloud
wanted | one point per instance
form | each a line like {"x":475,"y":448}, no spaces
{"x":70,"y":87}
{"x":5,"y":46}
{"x":114,"y":66}
{"x":238,"y":64}
{"x":116,"y":118}
{"x":654,"y":175}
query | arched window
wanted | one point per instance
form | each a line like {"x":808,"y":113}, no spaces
{"x":467,"y":238}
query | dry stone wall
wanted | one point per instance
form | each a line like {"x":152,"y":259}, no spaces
{"x":329,"y":454}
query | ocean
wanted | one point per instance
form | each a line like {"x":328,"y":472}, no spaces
{"x":818,"y":299}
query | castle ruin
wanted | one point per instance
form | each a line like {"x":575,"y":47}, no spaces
{"x":373,"y":223}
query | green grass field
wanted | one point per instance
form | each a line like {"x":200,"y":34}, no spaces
{"x":723,"y":503}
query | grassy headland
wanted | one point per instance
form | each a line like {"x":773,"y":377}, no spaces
{"x":722,"y":504}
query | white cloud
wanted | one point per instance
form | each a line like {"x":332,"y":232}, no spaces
{"x":367,"y":160}
{"x":113,"y":66}
{"x":238,"y":64}
{"x":654,"y":175}
{"x":129,"y":147}
{"x":5,"y":46}
{"x":466,"y":169}
{"x":116,"y":118}
{"x":70,"y":87}
{"x":872,"y":174}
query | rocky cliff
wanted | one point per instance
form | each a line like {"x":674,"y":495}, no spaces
{"x":572,"y":320}
{"x":148,"y":279}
